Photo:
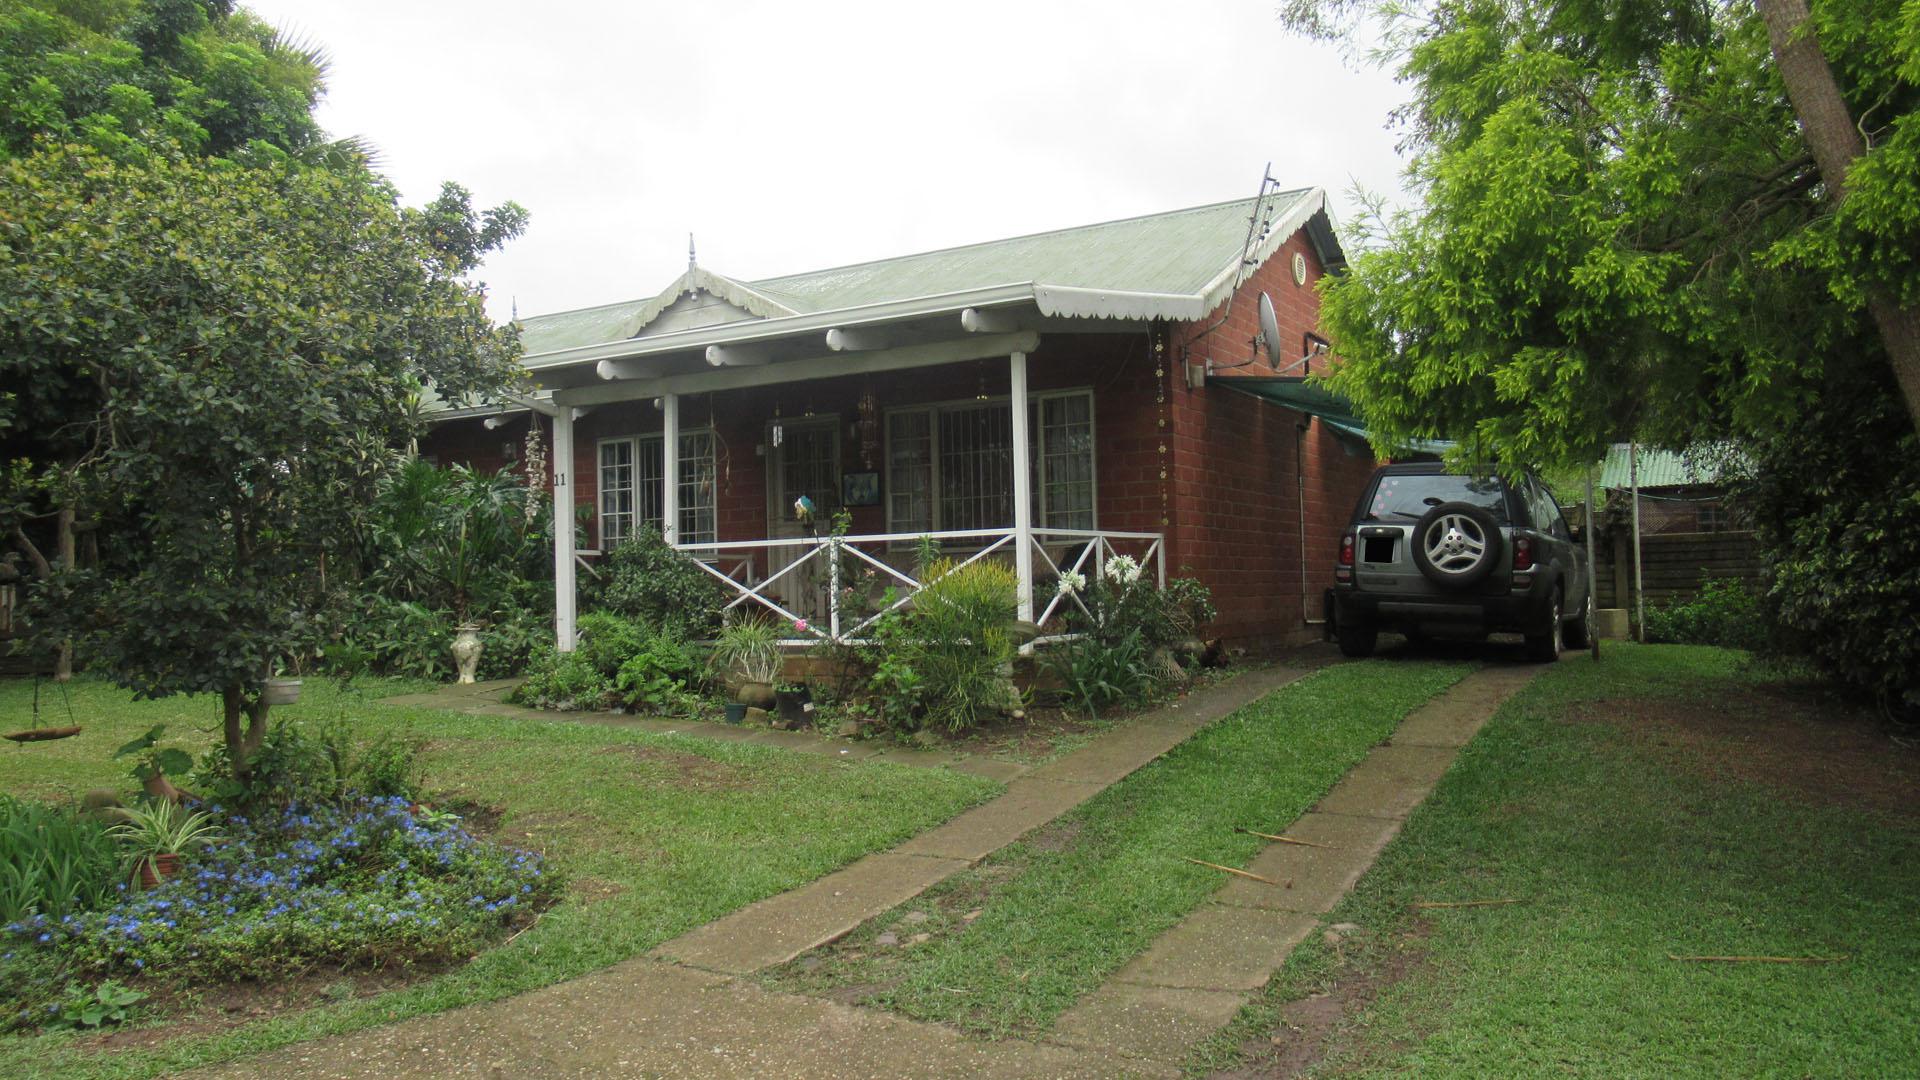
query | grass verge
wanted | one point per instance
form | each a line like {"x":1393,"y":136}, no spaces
{"x":658,"y":834}
{"x":1628,"y":842}
{"x":1004,"y":948}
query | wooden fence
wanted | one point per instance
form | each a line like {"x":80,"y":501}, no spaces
{"x":1676,"y":563}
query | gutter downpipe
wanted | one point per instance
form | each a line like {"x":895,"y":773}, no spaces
{"x":1300,"y":502}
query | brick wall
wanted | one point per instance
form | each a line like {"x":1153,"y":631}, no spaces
{"x":1251,"y":477}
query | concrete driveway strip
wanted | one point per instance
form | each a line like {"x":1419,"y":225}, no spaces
{"x":1195,"y":977}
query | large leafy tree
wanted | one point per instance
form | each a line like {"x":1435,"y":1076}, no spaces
{"x":1625,"y":226}
{"x":234,"y":348}
{"x":114,"y":73}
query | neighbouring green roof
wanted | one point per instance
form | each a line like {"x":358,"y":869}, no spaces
{"x":1660,"y":468}
{"x":1182,"y":252}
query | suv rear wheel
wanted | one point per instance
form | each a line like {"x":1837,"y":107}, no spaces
{"x":1357,"y":641}
{"x":1578,"y":632}
{"x":1544,"y":646}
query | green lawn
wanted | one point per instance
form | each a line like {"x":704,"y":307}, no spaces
{"x":659,"y":834}
{"x":1626,"y":845}
{"x":1054,"y":915}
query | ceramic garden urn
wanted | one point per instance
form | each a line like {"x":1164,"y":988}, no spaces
{"x":466,"y":651}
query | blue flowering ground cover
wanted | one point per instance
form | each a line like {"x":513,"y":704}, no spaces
{"x":369,"y":884}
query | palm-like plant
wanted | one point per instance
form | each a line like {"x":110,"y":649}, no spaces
{"x":452,"y":535}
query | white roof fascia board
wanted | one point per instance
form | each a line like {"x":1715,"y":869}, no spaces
{"x":1297,"y":216}
{"x":1076,"y":302}
{"x":830,"y":365}
{"x":765,"y":329}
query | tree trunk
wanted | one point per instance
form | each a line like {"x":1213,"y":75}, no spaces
{"x":1836,"y":142}
{"x":243,"y":739}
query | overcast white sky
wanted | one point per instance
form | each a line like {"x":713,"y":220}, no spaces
{"x":795,"y":136}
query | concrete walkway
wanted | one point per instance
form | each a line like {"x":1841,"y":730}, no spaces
{"x":687,"y":1010}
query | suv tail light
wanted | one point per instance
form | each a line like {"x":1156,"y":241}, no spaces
{"x":1522,"y":553}
{"x":1346,"y":550}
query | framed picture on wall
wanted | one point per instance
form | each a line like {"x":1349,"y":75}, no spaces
{"x":860,"y":489}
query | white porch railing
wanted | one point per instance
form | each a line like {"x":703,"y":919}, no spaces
{"x":797,"y":564}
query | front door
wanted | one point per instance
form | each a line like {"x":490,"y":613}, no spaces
{"x":803,"y":459}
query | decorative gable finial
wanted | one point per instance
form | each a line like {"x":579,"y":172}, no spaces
{"x":693,"y":264}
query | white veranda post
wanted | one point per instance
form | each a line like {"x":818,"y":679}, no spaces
{"x":563,"y":529}
{"x":1022,"y":488}
{"x":670,"y":468}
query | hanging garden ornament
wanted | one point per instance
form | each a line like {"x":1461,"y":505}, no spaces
{"x":803,"y":510}
{"x":869,"y":425}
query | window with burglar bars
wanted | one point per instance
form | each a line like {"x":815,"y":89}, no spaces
{"x":632,"y":474}
{"x":951,"y":466}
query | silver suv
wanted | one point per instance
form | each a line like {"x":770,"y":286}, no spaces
{"x":1429,"y":550}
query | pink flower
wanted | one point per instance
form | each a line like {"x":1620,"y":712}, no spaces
{"x":800,"y":625}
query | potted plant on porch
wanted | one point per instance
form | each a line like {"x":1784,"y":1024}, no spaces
{"x":160,"y":833}
{"x":747,"y":655}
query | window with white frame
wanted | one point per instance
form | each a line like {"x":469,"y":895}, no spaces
{"x":951,"y":466}
{"x":632,"y":492}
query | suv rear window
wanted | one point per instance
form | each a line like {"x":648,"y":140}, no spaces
{"x":1408,"y":498}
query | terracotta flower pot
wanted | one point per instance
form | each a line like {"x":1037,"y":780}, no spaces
{"x":157,"y":868}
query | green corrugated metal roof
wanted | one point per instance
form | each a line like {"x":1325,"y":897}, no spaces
{"x":1658,"y":468}
{"x":1179,"y":252}
{"x":572,"y":329}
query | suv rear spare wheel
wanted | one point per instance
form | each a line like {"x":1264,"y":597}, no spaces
{"x":1456,"y":545}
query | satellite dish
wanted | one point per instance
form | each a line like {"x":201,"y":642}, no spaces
{"x":1269,"y":339}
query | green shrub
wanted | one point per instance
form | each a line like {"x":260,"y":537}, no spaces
{"x":1726,"y":613}
{"x":947,"y":662}
{"x":616,"y":660}
{"x":391,"y":637}
{"x":563,"y":681}
{"x":1835,"y":501}
{"x":55,"y":861}
{"x":644,"y":579}
{"x":655,"y":678}
{"x":1095,"y":673}
{"x":320,"y":763}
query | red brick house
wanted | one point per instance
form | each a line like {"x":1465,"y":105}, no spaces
{"x":1046,"y":400}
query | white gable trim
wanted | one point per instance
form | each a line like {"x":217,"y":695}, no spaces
{"x":700,"y":279}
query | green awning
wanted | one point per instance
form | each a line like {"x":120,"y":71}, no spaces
{"x":1302,"y":396}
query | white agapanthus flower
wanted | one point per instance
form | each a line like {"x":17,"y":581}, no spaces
{"x":1071,"y":581}
{"x":1123,"y":570}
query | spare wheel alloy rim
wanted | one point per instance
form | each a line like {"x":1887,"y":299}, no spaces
{"x":1455,"y":544}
